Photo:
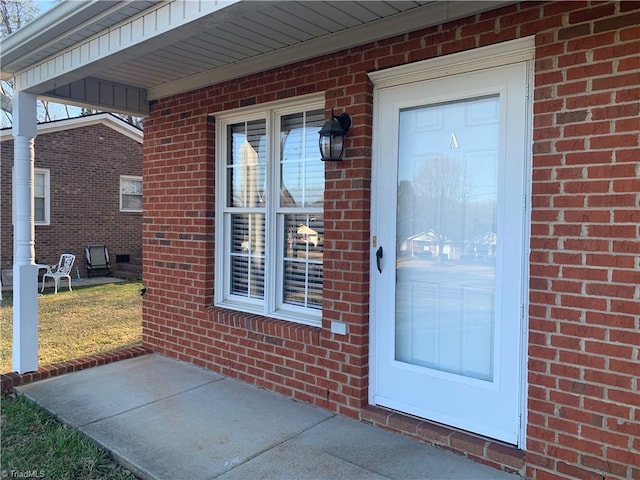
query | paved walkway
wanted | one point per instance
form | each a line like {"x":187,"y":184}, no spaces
{"x":164,"y":419}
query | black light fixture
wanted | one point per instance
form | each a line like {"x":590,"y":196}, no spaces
{"x":332,"y":137}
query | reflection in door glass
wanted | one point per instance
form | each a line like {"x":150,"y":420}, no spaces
{"x":446,"y":236}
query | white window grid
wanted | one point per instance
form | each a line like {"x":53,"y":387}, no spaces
{"x":271,"y":305}
{"x":130,"y":193}
{"x":41,"y":196}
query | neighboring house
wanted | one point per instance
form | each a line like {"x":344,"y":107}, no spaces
{"x":509,"y":131}
{"x":87,"y":188}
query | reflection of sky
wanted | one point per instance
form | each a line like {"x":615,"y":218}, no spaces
{"x":465,"y":131}
{"x":44,"y":5}
{"x":302,"y":169}
{"x":249,"y":172}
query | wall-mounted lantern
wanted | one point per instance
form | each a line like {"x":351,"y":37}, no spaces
{"x":332,"y":137}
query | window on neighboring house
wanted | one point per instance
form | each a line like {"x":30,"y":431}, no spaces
{"x":270,"y":211}
{"x":130,"y":194}
{"x":42,"y":197}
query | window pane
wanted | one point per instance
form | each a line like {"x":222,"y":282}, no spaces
{"x":132,"y":202}
{"x":303,"y":236}
{"x":131,"y":194}
{"x":131,"y":187}
{"x":38,"y":185}
{"x":301,"y":170}
{"x":39,"y":212}
{"x":246,"y":164}
{"x":247,"y":255}
{"x":447,"y":223}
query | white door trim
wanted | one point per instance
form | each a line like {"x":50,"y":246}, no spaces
{"x":521,"y":50}
{"x":497,"y":55}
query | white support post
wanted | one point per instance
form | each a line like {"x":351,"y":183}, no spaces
{"x":25,"y":271}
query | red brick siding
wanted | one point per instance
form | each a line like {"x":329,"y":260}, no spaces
{"x":12,"y":380}
{"x":583,"y":412}
{"x":85,"y":165}
{"x":584,"y":416}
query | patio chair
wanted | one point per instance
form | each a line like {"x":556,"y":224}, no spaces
{"x":97,"y":259}
{"x":61,"y":270}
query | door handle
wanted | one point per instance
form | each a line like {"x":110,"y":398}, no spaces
{"x":378,"y":258}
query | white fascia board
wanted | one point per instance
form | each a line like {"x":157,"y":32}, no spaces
{"x":432,"y":14}
{"x":512,"y":51}
{"x":106,"y":119}
{"x":136,"y":33}
{"x":59,"y":20}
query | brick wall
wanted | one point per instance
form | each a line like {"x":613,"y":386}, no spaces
{"x":584,"y":405}
{"x":583,"y":401}
{"x":85,"y":165}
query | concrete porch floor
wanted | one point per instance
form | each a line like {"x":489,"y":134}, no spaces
{"x":164,"y":419}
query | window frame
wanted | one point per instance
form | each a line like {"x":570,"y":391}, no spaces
{"x":135,"y":178}
{"x":272,"y":305}
{"x":47,"y":196}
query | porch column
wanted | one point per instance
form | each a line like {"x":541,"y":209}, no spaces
{"x":25,"y":272}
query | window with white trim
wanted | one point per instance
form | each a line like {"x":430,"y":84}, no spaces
{"x":270,"y":222}
{"x":130,"y":193}
{"x":41,"y":196}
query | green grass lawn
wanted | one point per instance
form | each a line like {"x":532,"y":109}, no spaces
{"x":35,"y":445}
{"x":87,"y":321}
{"x":71,"y":325}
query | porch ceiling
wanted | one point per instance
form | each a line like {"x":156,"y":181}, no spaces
{"x":120,"y":55}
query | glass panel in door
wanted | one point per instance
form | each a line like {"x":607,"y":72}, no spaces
{"x":447,"y":234}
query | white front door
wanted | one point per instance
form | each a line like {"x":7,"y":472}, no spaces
{"x":449,"y":256}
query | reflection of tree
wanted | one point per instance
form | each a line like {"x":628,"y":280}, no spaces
{"x":480,"y":229}
{"x":13,"y":15}
{"x":441,"y":213}
{"x":405,"y":227}
{"x":442,"y":190}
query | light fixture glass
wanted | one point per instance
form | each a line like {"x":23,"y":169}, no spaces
{"x":332,"y":137}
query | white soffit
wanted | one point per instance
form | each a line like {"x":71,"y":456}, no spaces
{"x":419,"y":16}
{"x":129,"y":53}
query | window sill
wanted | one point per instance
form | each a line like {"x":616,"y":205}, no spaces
{"x":272,"y":328}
